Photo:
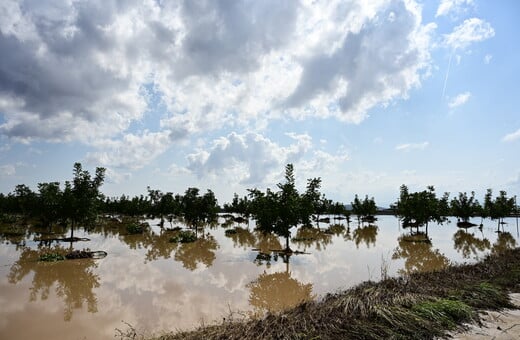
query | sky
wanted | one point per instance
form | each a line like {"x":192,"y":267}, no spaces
{"x":222,"y":94}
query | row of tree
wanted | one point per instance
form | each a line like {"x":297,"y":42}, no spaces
{"x":77,"y":203}
{"x":81,"y":201}
{"x":419,"y":208}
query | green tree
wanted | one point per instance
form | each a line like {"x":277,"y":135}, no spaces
{"x":498,"y":208}
{"x":49,"y":203}
{"x":197,"y":210}
{"x":366,"y":209}
{"x":82,"y":199}
{"x":289,"y":206}
{"x":417,"y":209}
{"x":313,"y":201}
{"x":26,"y":201}
{"x":464,"y":207}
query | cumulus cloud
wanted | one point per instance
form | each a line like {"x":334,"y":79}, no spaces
{"x":470,"y":31}
{"x":253,"y":159}
{"x":510,"y":137}
{"x":372,"y":64}
{"x":132,"y":151}
{"x":453,"y":7}
{"x":60,"y":79}
{"x":250,"y":156}
{"x":412,"y":146}
{"x":75,"y":67}
{"x":459,"y":100}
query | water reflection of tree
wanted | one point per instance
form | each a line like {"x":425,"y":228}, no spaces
{"x":74,"y":280}
{"x":137,"y":241}
{"x":278,"y":291}
{"x":160,"y":246}
{"x":468,"y":244}
{"x":267,"y":242}
{"x":366,"y":234}
{"x":13,"y":234}
{"x":200,"y":251}
{"x":504,"y":242}
{"x":243,"y":238}
{"x":308,"y":236}
{"x":419,"y":256}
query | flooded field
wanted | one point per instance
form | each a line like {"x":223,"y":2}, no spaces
{"x":155,"y":285}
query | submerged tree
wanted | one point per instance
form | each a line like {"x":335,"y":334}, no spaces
{"x":417,"y":209}
{"x":465,"y":207}
{"x":498,"y":208}
{"x":366,"y":209}
{"x":280,"y":211}
{"x":49,"y":203}
{"x":197,"y":210}
{"x":82,"y":198}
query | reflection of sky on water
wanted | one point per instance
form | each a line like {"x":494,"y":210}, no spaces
{"x":154,"y":288}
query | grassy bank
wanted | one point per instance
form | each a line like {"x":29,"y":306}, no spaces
{"x":419,"y":306}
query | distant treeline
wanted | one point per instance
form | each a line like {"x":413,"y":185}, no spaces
{"x":80,"y":201}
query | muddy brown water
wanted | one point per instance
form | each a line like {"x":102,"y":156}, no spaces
{"x":156,"y":285}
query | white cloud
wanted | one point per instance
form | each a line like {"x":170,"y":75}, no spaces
{"x":7,"y":170}
{"x":132,"y":151}
{"x":412,"y":146}
{"x":470,"y":31}
{"x":459,"y":100}
{"x":117,"y":177}
{"x":373,"y":63}
{"x":249,"y":158}
{"x":487,"y":58}
{"x":253,"y":159}
{"x":512,"y":136}
{"x":76,"y":71}
{"x":453,"y":6}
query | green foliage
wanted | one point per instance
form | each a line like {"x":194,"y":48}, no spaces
{"x":135,"y":228}
{"x":447,"y":312}
{"x":25,"y":201}
{"x":365,"y":208}
{"x":239,"y":205}
{"x":51,"y":257}
{"x":419,"y":208}
{"x":49,"y":209}
{"x":196,"y":209}
{"x":184,"y":237}
{"x":81,"y":198}
{"x":279,"y":211}
{"x":162,"y":204}
{"x":465,"y":207}
{"x":498,"y":208}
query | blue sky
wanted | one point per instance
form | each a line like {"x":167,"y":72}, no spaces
{"x":368,"y":95}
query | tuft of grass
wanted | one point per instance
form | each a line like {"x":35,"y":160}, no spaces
{"x":51,"y":257}
{"x":447,"y":313}
{"x":484,"y":295}
{"x":184,"y":237}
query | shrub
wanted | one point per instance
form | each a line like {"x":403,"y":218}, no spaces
{"x":184,"y":237}
{"x":51,"y":257}
{"x":135,"y":228}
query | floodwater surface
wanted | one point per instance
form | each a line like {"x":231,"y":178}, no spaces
{"x":156,"y":285}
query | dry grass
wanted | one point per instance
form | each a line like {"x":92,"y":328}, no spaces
{"x":418,"y":306}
